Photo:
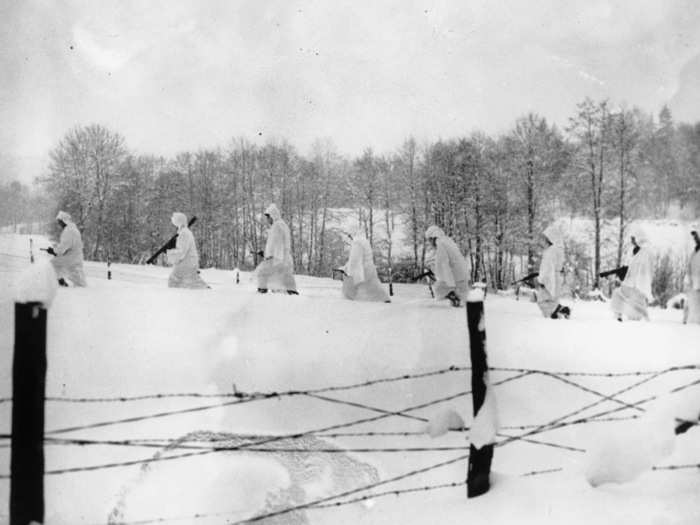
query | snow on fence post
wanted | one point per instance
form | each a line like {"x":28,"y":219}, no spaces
{"x":35,"y":291}
{"x":481,"y":447}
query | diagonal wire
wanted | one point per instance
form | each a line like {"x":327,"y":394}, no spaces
{"x":253,"y":444}
{"x":558,"y":422}
{"x":346,"y":493}
{"x":589,"y":390}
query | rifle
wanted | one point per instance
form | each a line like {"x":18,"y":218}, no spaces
{"x":168,"y":245}
{"x":620,"y":272}
{"x":257,"y":255}
{"x":428,"y":273}
{"x":431,"y":277}
{"x":338,"y":270}
{"x":527,"y":278}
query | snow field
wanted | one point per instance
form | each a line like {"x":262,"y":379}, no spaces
{"x":133,"y":336}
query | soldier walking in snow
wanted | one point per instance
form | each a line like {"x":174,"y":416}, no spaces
{"x":691,"y":312}
{"x":550,"y":277}
{"x":68,"y":260}
{"x":184,"y":257}
{"x":632,"y":297}
{"x":360,"y":280}
{"x":450,"y":267}
{"x":277,"y":268}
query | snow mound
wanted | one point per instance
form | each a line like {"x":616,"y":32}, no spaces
{"x":444,"y":421}
{"x":475,"y":295}
{"x":37,"y":284}
{"x":621,"y":454}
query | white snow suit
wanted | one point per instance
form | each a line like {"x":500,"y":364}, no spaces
{"x":550,"y":274}
{"x":277,"y":269}
{"x":692,"y":286}
{"x":361,"y":281}
{"x":68,"y":261}
{"x":184,"y":258}
{"x":632,"y":297}
{"x":450,"y":267}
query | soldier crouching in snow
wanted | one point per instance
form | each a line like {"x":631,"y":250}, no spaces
{"x":692,"y":281}
{"x":277,"y":268}
{"x":550,"y":276}
{"x":68,"y":260}
{"x":450,"y":267}
{"x":360,"y":280}
{"x":632,"y":297}
{"x":184,"y":257}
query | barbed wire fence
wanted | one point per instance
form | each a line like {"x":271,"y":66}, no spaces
{"x":175,"y":448}
{"x":282,"y":443}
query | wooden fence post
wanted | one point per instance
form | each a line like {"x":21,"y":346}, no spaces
{"x":479,"y":470}
{"x":28,"y":395}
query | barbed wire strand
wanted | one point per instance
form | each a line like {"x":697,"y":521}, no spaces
{"x":589,"y":390}
{"x":568,"y":373}
{"x":156,"y":415}
{"x":227,"y":403}
{"x":346,"y":493}
{"x":556,"y":423}
{"x":168,"y":441}
{"x":399,"y":492}
{"x":560,"y":423}
{"x":634,"y":385}
{"x":245,"y":445}
{"x":227,"y":448}
{"x":371,"y":382}
{"x":677,"y":467}
{"x":367,"y":407}
{"x":367,"y":497}
{"x":260,"y":395}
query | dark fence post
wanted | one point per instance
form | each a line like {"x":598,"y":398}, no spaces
{"x":479,"y":471}
{"x":28,"y":395}
{"x":109,"y":269}
{"x":31,"y":250}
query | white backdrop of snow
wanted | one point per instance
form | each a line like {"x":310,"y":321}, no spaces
{"x":132,"y":335}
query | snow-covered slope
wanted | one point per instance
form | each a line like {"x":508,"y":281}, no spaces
{"x":133,"y":336}
{"x":664,"y":235}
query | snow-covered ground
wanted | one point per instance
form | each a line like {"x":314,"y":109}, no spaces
{"x":132,"y":336}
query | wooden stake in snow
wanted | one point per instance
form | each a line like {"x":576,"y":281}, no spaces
{"x":109,"y":269}
{"x":36,"y":289}
{"x":480,"y":454}
{"x":31,"y":250}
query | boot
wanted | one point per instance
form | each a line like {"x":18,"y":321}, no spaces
{"x":292,"y":292}
{"x":262,"y":290}
{"x":557,"y":313}
{"x":454,"y":299}
{"x":62,"y":282}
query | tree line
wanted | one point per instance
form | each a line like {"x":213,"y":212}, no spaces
{"x":492,"y":194}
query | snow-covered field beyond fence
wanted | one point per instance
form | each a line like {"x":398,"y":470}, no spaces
{"x":193,"y":452}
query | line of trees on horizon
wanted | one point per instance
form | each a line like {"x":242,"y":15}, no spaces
{"x":492,"y":194}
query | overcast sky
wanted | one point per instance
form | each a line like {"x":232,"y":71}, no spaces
{"x":176,"y":75}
